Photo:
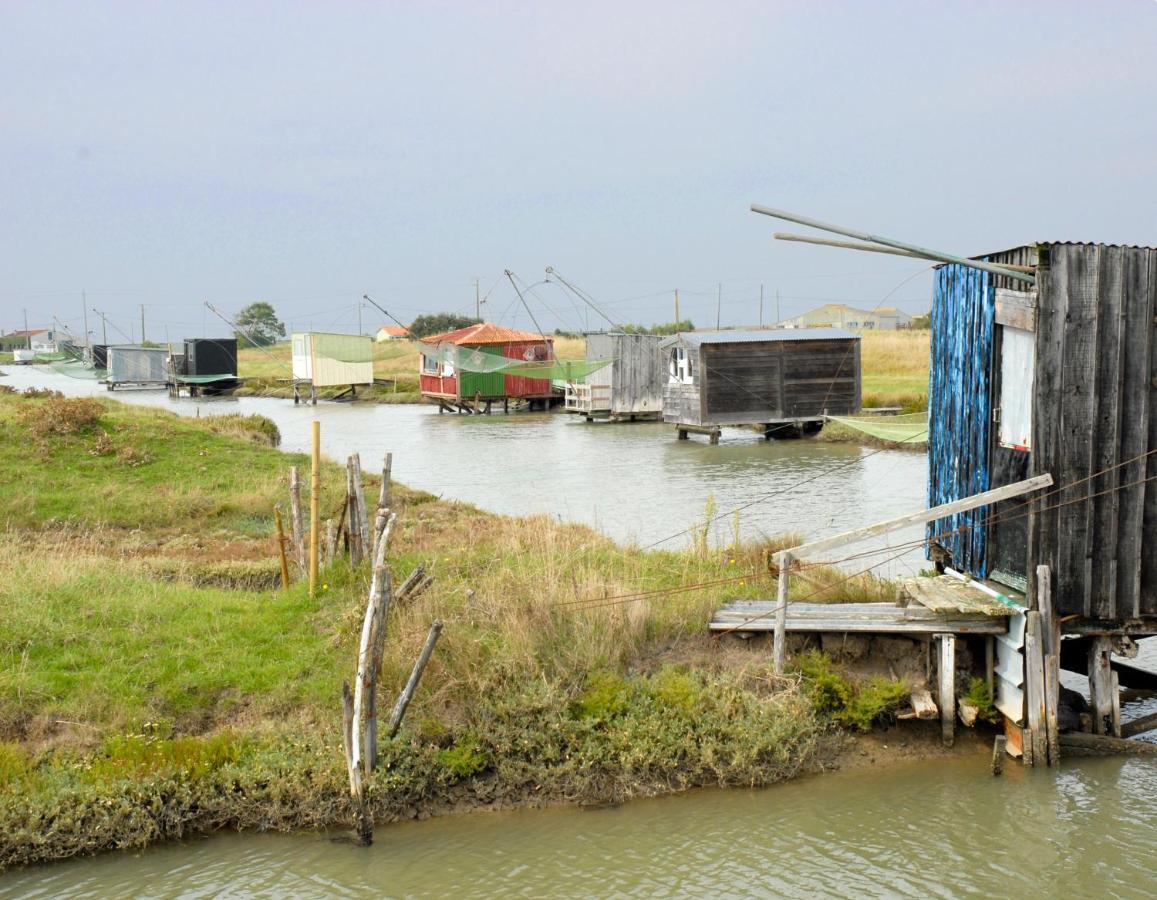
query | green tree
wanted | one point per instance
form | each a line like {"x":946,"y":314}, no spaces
{"x":438,"y":323}
{"x":258,"y":324}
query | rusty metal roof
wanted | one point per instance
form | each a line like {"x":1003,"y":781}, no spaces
{"x":485,"y":333}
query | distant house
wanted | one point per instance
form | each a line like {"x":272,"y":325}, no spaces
{"x":392,"y":333}
{"x":840,"y":315}
{"x":38,"y":340}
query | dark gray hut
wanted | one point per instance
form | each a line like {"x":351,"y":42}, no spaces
{"x":631,"y":388}
{"x":1059,"y":377}
{"x":785,"y":377}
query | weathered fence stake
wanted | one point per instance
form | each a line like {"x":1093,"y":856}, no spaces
{"x":383,"y":509}
{"x":281,"y":547}
{"x":1100,"y":681}
{"x":415,"y":676}
{"x":1034,"y":685}
{"x":365,"y":823}
{"x":1051,"y":639}
{"x":779,"y":648}
{"x":331,"y":536}
{"x":295,"y":517}
{"x":373,"y":636}
{"x":314,"y":506}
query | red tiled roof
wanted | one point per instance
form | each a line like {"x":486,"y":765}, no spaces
{"x":28,"y":333}
{"x":394,"y":330}
{"x":485,"y":333}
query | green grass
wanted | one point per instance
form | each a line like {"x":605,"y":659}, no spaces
{"x":146,"y":653}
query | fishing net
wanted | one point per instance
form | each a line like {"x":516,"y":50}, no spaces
{"x":79,"y":370}
{"x":485,"y":360}
{"x":906,"y":429}
{"x":203,"y":379}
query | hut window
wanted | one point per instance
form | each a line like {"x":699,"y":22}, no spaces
{"x":429,"y":365}
{"x":1017,"y":356}
{"x":681,"y":366}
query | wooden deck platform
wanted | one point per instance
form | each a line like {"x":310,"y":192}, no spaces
{"x":858,"y":618}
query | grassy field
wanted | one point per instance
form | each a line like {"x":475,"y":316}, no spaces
{"x":894,"y":367}
{"x":147,"y":652}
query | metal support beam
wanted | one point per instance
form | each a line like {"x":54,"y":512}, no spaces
{"x":874,"y":248}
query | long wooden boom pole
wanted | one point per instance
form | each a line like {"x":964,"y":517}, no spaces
{"x":873,"y":248}
{"x":889,"y":242}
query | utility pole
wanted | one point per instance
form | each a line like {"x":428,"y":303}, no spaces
{"x":26,"y":324}
{"x":718,"y":305}
{"x":142,"y":323}
{"x":361,"y":303}
{"x":677,"y":319}
{"x":103,"y":326}
{"x":477,"y":300}
{"x":778,"y":317}
{"x":84,"y":308}
{"x":761,"y":306}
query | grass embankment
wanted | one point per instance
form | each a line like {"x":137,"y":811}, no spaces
{"x":265,"y":369}
{"x":149,"y":690}
{"x":894,"y":368}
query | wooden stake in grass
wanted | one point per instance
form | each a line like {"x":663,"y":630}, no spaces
{"x":295,"y":520}
{"x":373,"y":637}
{"x":350,"y":736}
{"x":383,"y":510}
{"x":281,"y":547}
{"x":353,"y":509}
{"x":314,"y":506}
{"x":415,"y":676}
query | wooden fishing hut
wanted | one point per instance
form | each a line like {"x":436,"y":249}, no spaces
{"x":208,"y":366}
{"x":1044,"y":363}
{"x":464,"y":370}
{"x":135,"y":366}
{"x":630,"y":388}
{"x":784,"y":380}
{"x":324,"y":359}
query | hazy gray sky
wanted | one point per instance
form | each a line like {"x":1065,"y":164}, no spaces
{"x":305,"y":154}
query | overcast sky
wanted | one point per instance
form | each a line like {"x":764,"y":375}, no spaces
{"x":305,"y":154}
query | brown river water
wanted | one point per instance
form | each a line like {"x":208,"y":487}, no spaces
{"x":930,"y":829}
{"x":942,"y":829}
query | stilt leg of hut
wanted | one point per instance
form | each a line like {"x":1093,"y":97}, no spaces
{"x":1051,"y":640}
{"x":947,"y":679}
{"x":1101,"y":683}
{"x":1034,"y":682}
{"x":682,"y":432}
{"x":715,"y":437}
{"x":506,"y":404}
{"x":1116,"y":713}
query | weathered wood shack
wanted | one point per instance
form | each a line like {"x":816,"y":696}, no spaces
{"x":771,"y":378}
{"x":1059,"y":377}
{"x":631,"y":387}
{"x":137,"y":366}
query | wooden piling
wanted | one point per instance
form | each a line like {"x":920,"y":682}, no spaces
{"x":359,"y":500}
{"x":1051,"y":646}
{"x":350,"y":740}
{"x":314,"y":506}
{"x":998,"y":751}
{"x":1034,"y":681}
{"x":281,"y":547}
{"x":947,"y":684}
{"x":1101,"y":682}
{"x":295,"y":518}
{"x":779,"y":649}
{"x":370,"y":661}
{"x":407,"y":694}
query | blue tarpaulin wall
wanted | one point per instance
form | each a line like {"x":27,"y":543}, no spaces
{"x":960,"y":408}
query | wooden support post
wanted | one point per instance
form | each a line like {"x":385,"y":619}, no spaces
{"x":779,"y":648}
{"x":1115,"y":715}
{"x":947,"y":681}
{"x":1051,"y":645}
{"x":1034,"y":682}
{"x":1101,"y":682}
{"x":353,"y":510}
{"x":281,"y":547}
{"x":990,"y":663}
{"x":373,"y":631}
{"x":360,"y":502}
{"x":407,"y":694}
{"x":295,"y":520}
{"x":998,"y":751}
{"x":350,"y":738}
{"x":314,"y":506}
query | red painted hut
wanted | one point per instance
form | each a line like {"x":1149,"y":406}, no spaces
{"x":457,"y":376}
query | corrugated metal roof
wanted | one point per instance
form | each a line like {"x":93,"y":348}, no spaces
{"x":1034,"y":244}
{"x":485,"y":333}
{"x":697,"y":338}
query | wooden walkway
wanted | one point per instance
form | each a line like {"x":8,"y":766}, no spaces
{"x":862,"y":618}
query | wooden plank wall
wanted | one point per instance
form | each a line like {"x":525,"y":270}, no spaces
{"x":1093,"y":416}
{"x":752,"y":383}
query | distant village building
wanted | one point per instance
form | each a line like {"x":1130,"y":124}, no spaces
{"x":38,"y":340}
{"x":391,"y":333}
{"x":840,"y":315}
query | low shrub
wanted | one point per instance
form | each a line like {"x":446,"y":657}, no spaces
{"x":58,"y":416}
{"x":849,"y":704}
